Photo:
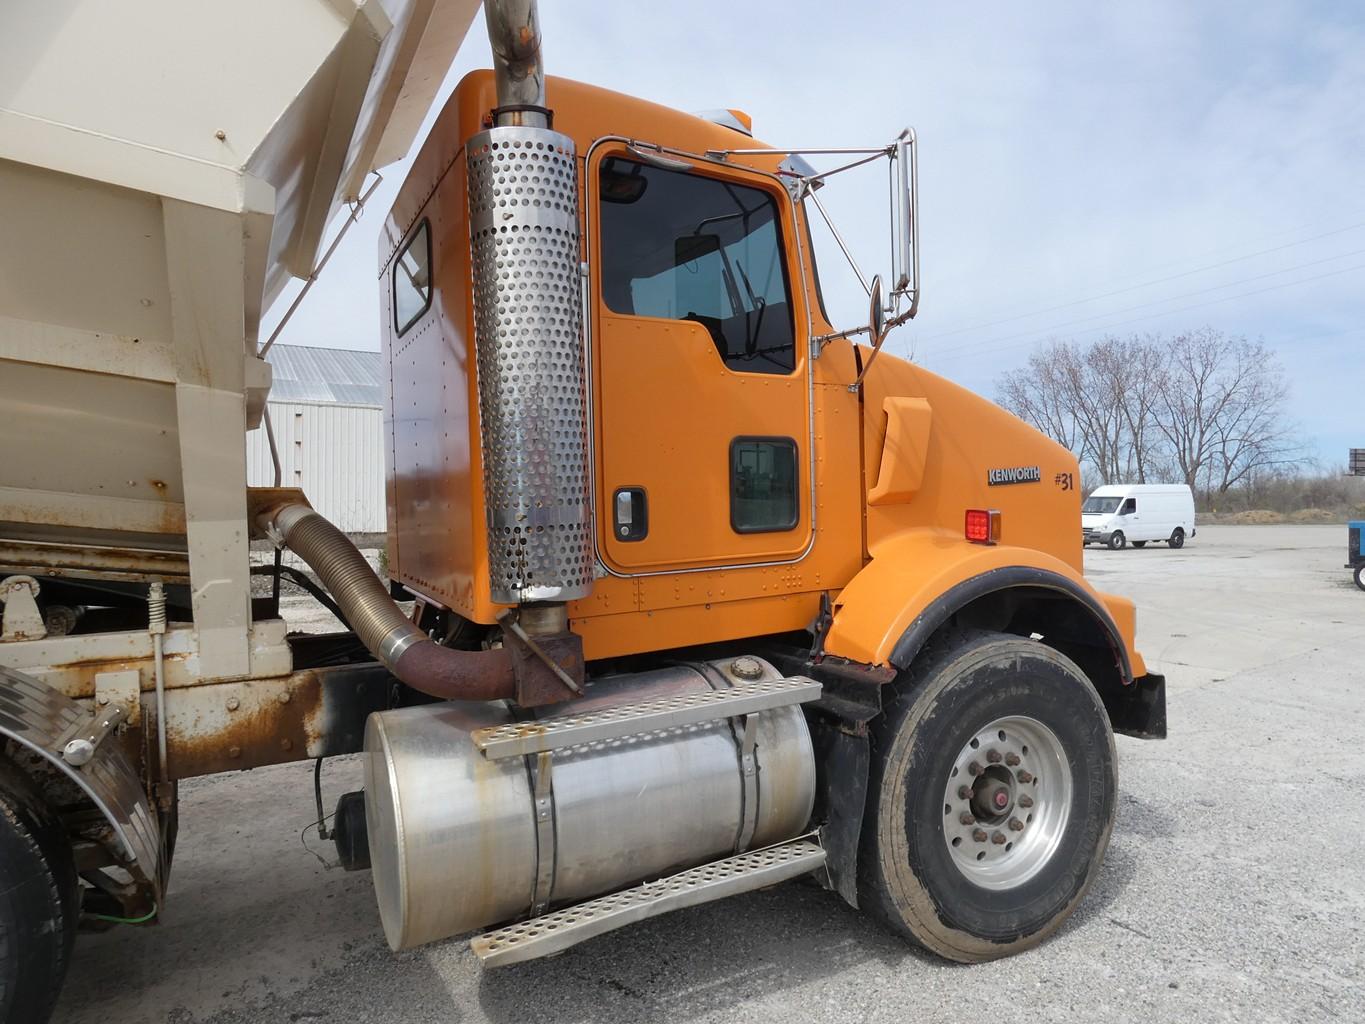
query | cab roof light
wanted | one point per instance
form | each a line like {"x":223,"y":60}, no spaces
{"x":982,"y":526}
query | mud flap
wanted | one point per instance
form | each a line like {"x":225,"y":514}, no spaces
{"x":842,"y":756}
{"x":1139,"y":709}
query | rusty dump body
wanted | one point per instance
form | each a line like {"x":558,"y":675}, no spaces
{"x":877,"y":480}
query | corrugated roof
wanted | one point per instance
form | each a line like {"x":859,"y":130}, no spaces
{"x":303,"y":373}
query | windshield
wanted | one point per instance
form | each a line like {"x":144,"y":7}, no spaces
{"x":1098,"y":504}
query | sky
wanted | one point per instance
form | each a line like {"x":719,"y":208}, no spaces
{"x":1084,"y":168}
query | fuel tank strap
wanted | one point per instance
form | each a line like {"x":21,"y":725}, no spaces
{"x":744,"y":729}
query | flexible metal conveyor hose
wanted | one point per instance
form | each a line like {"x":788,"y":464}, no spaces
{"x":412,"y":656}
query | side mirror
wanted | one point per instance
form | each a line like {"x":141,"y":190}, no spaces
{"x":876,"y":327}
{"x":906,"y":231}
{"x":876,"y":315}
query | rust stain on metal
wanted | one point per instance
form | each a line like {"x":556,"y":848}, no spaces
{"x":78,"y":677}
{"x":264,"y":730}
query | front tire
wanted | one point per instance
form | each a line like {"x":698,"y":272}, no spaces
{"x":1117,"y":541}
{"x":39,"y":901}
{"x":1041,"y":800}
{"x":1177,"y":538}
{"x":1360,"y":575}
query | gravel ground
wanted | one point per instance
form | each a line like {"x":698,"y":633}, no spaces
{"x":1234,"y":889}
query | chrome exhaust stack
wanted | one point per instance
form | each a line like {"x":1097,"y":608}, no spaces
{"x":514,"y":33}
{"x":523,"y":213}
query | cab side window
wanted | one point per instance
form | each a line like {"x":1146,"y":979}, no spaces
{"x":682,"y":246}
{"x":412,"y":280}
{"x":1129,"y":507}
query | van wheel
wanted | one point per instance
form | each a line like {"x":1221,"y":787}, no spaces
{"x":992,"y":797}
{"x":1139,"y":543}
{"x":1117,"y":541}
{"x":1177,"y":538}
{"x":39,"y":901}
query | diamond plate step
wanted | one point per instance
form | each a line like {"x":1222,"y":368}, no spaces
{"x":534,"y":737}
{"x":553,"y":933}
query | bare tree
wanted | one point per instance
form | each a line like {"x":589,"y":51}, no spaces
{"x":1080,"y":397}
{"x":1143,"y":368}
{"x":1038,"y":395}
{"x":1221,"y":408}
{"x":1202,"y":407}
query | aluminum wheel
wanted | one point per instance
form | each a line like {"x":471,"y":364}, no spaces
{"x":1007,"y":802}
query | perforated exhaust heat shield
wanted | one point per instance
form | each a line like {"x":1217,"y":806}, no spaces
{"x":523,"y":212}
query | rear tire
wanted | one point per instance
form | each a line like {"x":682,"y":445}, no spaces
{"x":977,"y":900}
{"x":1139,"y":544}
{"x":1117,"y":541}
{"x":39,"y":901}
{"x":1360,"y":575}
{"x":1177,"y":538}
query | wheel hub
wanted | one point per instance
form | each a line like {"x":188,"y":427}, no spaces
{"x":993,"y":795}
{"x":1007,"y":802}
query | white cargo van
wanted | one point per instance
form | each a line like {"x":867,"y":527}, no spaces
{"x":1123,"y":514}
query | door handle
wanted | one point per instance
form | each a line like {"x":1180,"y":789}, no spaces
{"x":630,"y":514}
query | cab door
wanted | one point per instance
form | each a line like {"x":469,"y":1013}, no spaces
{"x":700,"y":372}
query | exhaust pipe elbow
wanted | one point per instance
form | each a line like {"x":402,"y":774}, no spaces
{"x":412,"y":656}
{"x":514,"y":33}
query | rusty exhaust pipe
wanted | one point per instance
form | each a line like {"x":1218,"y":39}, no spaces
{"x":412,"y":656}
{"x":514,"y":32}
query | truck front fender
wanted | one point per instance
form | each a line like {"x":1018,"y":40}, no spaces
{"x":918,"y":580}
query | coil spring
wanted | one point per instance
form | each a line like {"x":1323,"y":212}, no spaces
{"x":156,"y":607}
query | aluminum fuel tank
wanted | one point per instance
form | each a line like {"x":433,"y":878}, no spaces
{"x":455,"y":838}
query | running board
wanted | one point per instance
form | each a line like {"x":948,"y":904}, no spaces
{"x":557,"y":931}
{"x":535,"y":737}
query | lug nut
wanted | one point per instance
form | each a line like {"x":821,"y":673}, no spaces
{"x":974,"y":768}
{"x":964,"y":792}
{"x":998,"y":838}
{"x":1025,"y":800}
{"x":1016,"y":825}
{"x":233,"y":703}
{"x":1024,"y":777}
{"x":993,"y":756}
{"x":966,"y":818}
{"x":1012,"y":760}
{"x":979,"y":835}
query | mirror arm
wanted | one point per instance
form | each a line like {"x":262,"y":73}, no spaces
{"x":840,"y":239}
{"x":877,"y":344}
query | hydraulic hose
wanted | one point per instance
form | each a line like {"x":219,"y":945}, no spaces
{"x":412,"y":656}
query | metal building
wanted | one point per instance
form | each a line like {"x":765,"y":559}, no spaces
{"x":325,"y":405}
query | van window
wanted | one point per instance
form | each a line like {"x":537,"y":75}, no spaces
{"x":682,"y":246}
{"x":1101,"y":504}
{"x":1129,"y":507}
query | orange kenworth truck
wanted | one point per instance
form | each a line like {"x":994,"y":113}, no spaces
{"x":706,"y":592}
